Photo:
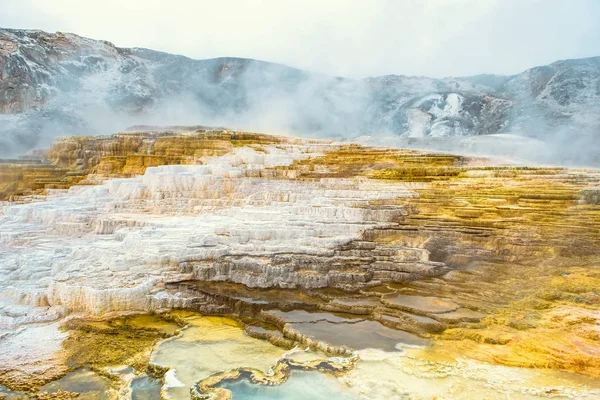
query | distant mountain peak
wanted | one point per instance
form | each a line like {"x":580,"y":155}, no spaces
{"x":62,"y":84}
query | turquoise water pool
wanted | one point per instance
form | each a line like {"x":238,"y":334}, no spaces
{"x":300,"y":386}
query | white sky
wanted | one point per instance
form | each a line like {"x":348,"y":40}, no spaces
{"x":348,"y":38}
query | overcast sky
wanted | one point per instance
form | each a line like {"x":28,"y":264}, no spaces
{"x":338,"y":37}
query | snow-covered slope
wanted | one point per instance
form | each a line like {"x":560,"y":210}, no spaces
{"x":565,"y":93}
{"x":63,"y":84}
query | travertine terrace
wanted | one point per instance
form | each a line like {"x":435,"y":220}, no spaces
{"x":296,"y":240}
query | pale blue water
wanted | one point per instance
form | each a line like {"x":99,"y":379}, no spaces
{"x":83,"y":381}
{"x":145,"y":388}
{"x":300,"y":386}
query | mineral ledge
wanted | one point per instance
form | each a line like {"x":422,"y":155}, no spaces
{"x":293,"y":239}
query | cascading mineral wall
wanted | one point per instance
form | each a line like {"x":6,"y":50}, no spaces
{"x":234,"y":217}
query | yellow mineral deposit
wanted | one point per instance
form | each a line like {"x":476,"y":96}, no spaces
{"x":406,"y":274}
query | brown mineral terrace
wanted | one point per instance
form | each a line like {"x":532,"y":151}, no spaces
{"x":331,"y":246}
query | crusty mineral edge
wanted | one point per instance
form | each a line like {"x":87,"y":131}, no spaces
{"x":279,"y":374}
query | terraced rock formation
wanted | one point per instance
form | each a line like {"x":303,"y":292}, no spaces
{"x":79,"y":159}
{"x":354,"y":252}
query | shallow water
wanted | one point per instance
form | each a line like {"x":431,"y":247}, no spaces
{"x":359,"y":335}
{"x":368,"y":302}
{"x":87,"y":383}
{"x":6,"y":393}
{"x":421,"y":318}
{"x":300,"y":386}
{"x":305,"y":316}
{"x":145,"y":387}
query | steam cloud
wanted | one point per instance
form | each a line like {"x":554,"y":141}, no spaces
{"x":262,"y":97}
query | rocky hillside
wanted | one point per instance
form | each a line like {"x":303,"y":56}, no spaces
{"x":58,"y":84}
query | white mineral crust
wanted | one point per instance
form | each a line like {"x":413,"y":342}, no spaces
{"x":111,"y":247}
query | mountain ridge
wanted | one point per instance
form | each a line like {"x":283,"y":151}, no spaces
{"x":63,"y":84}
{"x":108,"y":42}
